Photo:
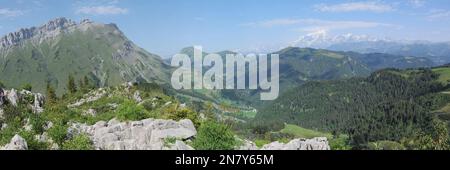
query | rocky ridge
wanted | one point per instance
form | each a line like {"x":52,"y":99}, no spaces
{"x":47,"y":31}
{"x":34,"y":100}
{"x":147,"y":134}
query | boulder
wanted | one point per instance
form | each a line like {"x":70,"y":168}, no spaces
{"x":38,"y":103}
{"x":319,"y":143}
{"x":179,"y":145}
{"x":137,"y":97}
{"x":12,"y":96}
{"x":248,"y":145}
{"x":90,"y":112}
{"x":2,"y":97}
{"x":147,"y":134}
{"x":17,"y":143}
{"x":1,"y":113}
{"x":4,"y":126}
{"x":48,"y":125}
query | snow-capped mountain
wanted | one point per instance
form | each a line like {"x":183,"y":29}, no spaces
{"x":321,"y":39}
{"x":438,"y":52}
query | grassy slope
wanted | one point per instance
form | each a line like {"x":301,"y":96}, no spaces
{"x":300,"y":132}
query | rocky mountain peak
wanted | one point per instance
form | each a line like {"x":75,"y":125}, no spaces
{"x":48,"y":30}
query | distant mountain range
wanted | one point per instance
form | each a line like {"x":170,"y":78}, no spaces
{"x":437,"y":52}
{"x":300,"y":65}
{"x":101,"y":52}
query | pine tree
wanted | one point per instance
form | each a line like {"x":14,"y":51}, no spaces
{"x":81,"y":84}
{"x":51,"y":95}
{"x":87,"y":83}
{"x":71,"y":86}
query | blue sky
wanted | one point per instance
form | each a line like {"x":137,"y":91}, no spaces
{"x":166,"y":26}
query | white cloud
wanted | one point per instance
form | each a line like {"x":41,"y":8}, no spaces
{"x":6,"y":12}
{"x":370,"y":6}
{"x":312,"y":25}
{"x":102,"y":10}
{"x":438,"y":14}
{"x":417,"y":3}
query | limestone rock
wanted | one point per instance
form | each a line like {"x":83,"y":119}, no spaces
{"x":17,"y":143}
{"x":179,"y":145}
{"x":48,"y":125}
{"x":90,"y":112}
{"x":38,"y":34}
{"x":38,"y":103}
{"x":248,"y":145}
{"x":319,"y":143}
{"x":12,"y":96}
{"x":1,"y":113}
{"x":4,"y":126}
{"x":147,"y":134}
{"x":2,"y":97}
{"x":137,"y":97}
{"x":89,"y":97}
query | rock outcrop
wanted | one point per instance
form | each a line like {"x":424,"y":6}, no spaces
{"x":13,"y":97}
{"x":2,"y":97}
{"x":1,"y":113}
{"x":48,"y":30}
{"x":17,"y":143}
{"x":89,"y":97}
{"x":319,"y":143}
{"x":137,"y":97}
{"x":148,"y":134}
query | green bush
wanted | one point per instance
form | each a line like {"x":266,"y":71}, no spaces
{"x":185,"y":114}
{"x":32,"y":143}
{"x":58,"y":133}
{"x":79,"y":142}
{"x":214,"y":136}
{"x":27,"y":87}
{"x":340,"y":143}
{"x":37,"y":123}
{"x":7,"y":134}
{"x":130,"y":111}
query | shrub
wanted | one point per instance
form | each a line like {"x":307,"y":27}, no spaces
{"x":38,"y":123}
{"x":185,"y":114}
{"x":7,"y":134}
{"x":27,"y":87}
{"x":79,"y":142}
{"x":340,"y":143}
{"x":32,"y":143}
{"x":130,"y":111}
{"x":214,"y":136}
{"x":58,"y":133}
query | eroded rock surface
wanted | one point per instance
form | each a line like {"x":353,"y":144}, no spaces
{"x":319,"y":143}
{"x":147,"y":134}
{"x":17,"y":143}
